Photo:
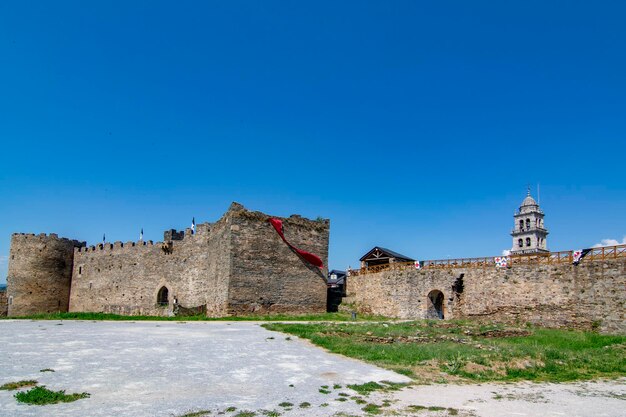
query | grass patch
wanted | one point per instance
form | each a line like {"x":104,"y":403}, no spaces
{"x":305,"y":405}
{"x":468,"y":351}
{"x":285,"y":404}
{"x":245,"y":414}
{"x":340,"y":316}
{"x":46,"y":370}
{"x":270,"y":413}
{"x":42,"y":396}
{"x":231,"y":409}
{"x":10,"y":386}
{"x":199,"y":413}
{"x":372,"y":409}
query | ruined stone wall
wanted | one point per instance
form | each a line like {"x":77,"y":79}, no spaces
{"x":267,"y":276}
{"x":590,"y":295}
{"x":126,"y":278}
{"x":4,"y":303}
{"x":40,"y":272}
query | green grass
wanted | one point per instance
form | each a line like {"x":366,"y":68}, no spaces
{"x":245,"y":414}
{"x":42,"y":396}
{"x":10,"y":386}
{"x":341,"y":316}
{"x":465,"y":351}
{"x":199,"y":413}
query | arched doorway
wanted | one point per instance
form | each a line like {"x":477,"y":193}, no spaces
{"x":163,"y":296}
{"x":435,"y":305}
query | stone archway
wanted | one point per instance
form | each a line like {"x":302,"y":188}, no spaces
{"x":163,"y":296}
{"x":435,"y":305}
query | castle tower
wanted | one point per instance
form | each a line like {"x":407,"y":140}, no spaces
{"x":529,"y":234}
{"x":40,"y":273}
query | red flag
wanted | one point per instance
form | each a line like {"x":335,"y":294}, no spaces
{"x":310,"y":258}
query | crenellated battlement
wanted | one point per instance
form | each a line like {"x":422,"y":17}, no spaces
{"x":237,"y":264}
{"x":44,"y":237}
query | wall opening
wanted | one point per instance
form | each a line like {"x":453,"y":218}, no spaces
{"x":435,"y":305}
{"x":163,"y":296}
{"x":458,"y":286}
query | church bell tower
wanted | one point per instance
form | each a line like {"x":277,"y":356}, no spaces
{"x":529,"y":234}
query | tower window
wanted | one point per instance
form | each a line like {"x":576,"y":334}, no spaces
{"x":528,"y":223}
{"x":527,"y":241}
{"x":521,"y":225}
{"x":520,"y":243}
{"x":80,"y":270}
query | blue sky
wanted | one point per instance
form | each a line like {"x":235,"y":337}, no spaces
{"x":411,"y":125}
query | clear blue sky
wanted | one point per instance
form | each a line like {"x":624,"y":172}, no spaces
{"x":412,"y":125}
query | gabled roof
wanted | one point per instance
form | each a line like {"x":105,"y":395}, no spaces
{"x":387,"y":253}
{"x":341,"y":276}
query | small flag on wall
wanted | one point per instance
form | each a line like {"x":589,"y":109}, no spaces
{"x":193,"y":226}
{"x":104,"y":238}
{"x":141,"y":234}
{"x":418,"y":265}
{"x":501,"y":261}
{"x":579,"y":255}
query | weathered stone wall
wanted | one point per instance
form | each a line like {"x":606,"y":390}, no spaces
{"x":4,"y":304}
{"x":587,"y":296}
{"x":40,"y":272}
{"x":267,"y":276}
{"x":126,"y":278}
{"x":238,"y":265}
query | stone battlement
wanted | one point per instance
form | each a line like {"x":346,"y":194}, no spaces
{"x":588,"y":295}
{"x":43,"y":237}
{"x":237,"y":265}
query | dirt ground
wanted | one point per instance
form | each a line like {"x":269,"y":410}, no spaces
{"x":148,"y":369}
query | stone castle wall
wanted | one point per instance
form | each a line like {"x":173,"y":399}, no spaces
{"x":4,"y":303}
{"x":267,"y":276}
{"x":125,"y":278}
{"x":238,"y":265}
{"x":40,"y":273}
{"x":586,"y":296}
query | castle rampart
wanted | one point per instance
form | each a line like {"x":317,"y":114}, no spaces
{"x":238,"y":265}
{"x":588,"y":295}
{"x":40,"y":273}
{"x":267,"y":276}
{"x":4,"y":302}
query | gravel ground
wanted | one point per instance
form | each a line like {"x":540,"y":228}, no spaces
{"x":168,"y":369}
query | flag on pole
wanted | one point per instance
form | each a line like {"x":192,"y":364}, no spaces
{"x":579,"y":255}
{"x":193,"y":226}
{"x":141,"y":234}
{"x":104,"y":238}
{"x":418,"y":265}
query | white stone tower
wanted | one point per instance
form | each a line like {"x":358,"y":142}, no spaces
{"x":529,"y":234}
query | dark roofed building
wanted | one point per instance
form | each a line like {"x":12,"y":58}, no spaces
{"x":382,"y":256}
{"x":336,"y":284}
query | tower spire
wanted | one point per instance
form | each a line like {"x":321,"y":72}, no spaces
{"x":528,"y":191}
